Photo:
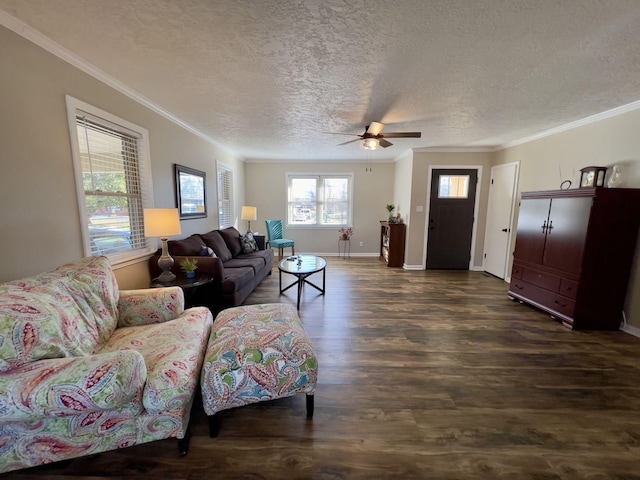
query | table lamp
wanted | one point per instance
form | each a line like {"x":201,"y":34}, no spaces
{"x":163,"y":223}
{"x":248,"y":214}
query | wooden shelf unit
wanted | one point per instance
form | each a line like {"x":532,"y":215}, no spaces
{"x":392,"y":243}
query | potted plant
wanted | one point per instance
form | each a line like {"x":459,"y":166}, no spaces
{"x":390,"y":208}
{"x":189,"y":265}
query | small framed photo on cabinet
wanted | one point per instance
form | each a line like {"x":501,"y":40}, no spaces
{"x":591,"y":177}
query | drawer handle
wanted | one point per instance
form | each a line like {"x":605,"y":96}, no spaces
{"x":519,"y":287}
{"x":561,"y":304}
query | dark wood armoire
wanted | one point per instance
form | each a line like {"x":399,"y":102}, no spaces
{"x":573,"y":254}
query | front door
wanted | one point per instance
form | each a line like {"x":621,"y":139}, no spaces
{"x":453,"y":196}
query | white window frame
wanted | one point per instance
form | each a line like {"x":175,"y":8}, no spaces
{"x":77,"y":107}
{"x":319,"y":177}
{"x":225,"y":205}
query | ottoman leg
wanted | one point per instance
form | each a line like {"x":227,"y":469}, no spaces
{"x":309,"y":406}
{"x":214,"y":425}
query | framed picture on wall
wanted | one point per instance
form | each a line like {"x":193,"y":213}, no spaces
{"x":191,"y":192}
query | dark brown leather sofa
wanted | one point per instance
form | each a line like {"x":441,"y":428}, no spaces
{"x":236,"y":274}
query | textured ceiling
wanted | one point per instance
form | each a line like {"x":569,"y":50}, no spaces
{"x":267,"y":78}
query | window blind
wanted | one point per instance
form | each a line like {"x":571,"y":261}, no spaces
{"x":113,"y":190}
{"x":225,"y":196}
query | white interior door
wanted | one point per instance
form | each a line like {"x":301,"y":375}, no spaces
{"x":497,"y":236}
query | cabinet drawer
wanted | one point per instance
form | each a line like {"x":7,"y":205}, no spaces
{"x":541,"y":279}
{"x":516,"y":271}
{"x":543,"y":297}
{"x":568,"y":288}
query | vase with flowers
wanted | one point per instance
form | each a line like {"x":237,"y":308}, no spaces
{"x":346,"y":232}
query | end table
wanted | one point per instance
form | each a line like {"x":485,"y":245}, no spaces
{"x":190,"y":287}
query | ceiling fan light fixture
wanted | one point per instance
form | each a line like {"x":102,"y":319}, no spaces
{"x":371,"y":143}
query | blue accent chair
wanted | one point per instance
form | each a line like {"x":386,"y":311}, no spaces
{"x":275,"y":232}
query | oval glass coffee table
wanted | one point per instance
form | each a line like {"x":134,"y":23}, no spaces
{"x":302,"y":266}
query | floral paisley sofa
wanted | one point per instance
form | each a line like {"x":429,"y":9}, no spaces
{"x":85,"y":368}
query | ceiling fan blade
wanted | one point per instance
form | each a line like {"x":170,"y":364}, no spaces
{"x":375,"y":128}
{"x":384,"y":143}
{"x":338,"y":133}
{"x":349,"y":141}
{"x":403,"y":135}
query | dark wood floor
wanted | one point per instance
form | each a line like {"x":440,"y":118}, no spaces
{"x":422,"y":375}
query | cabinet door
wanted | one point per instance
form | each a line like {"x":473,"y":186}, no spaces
{"x":534,"y":213}
{"x":566,"y":233}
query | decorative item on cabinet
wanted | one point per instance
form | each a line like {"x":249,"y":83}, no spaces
{"x":390,"y":208}
{"x":392,"y":243}
{"x":615,"y":179}
{"x":592,"y":177}
{"x":573,"y":255}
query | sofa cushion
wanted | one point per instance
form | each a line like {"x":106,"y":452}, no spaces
{"x":189,"y":246}
{"x":69,"y":312}
{"x":85,"y":385}
{"x":236,"y":278}
{"x":172,"y":352}
{"x":265,"y":255}
{"x":214,"y":240}
{"x":256,"y":263}
{"x":232,"y":239}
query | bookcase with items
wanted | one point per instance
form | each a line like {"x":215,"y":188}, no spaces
{"x":573,"y":255}
{"x":392,"y":243}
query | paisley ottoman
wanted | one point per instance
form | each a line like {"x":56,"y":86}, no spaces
{"x":256,"y":353}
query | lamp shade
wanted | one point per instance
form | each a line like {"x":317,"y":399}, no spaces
{"x":161,"y":222}
{"x":249,"y":213}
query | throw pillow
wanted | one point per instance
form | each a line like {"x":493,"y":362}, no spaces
{"x":207,"y":251}
{"x":248,"y":243}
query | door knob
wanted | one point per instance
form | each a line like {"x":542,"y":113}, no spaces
{"x":504,"y":230}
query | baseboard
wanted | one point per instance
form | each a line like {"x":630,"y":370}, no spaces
{"x":412,"y":267}
{"x":635,"y":331}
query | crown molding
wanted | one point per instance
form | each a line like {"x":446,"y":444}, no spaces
{"x":29,"y":33}
{"x":324,"y":162}
{"x":614,"y":112}
{"x":489,"y":149}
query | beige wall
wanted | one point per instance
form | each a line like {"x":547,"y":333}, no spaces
{"x":415,"y":254}
{"x":604,"y":143}
{"x":402,"y":193}
{"x":266,"y":188}
{"x":39,"y":224}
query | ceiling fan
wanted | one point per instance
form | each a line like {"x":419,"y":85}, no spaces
{"x":373,"y":138}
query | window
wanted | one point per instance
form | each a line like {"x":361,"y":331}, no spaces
{"x":453,"y":186}
{"x":225,"y":196}
{"x":111,"y":163}
{"x":319,"y":200}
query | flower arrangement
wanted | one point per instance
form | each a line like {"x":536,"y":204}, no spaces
{"x":346,"y":232}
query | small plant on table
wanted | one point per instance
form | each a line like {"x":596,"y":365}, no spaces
{"x":189,"y":265}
